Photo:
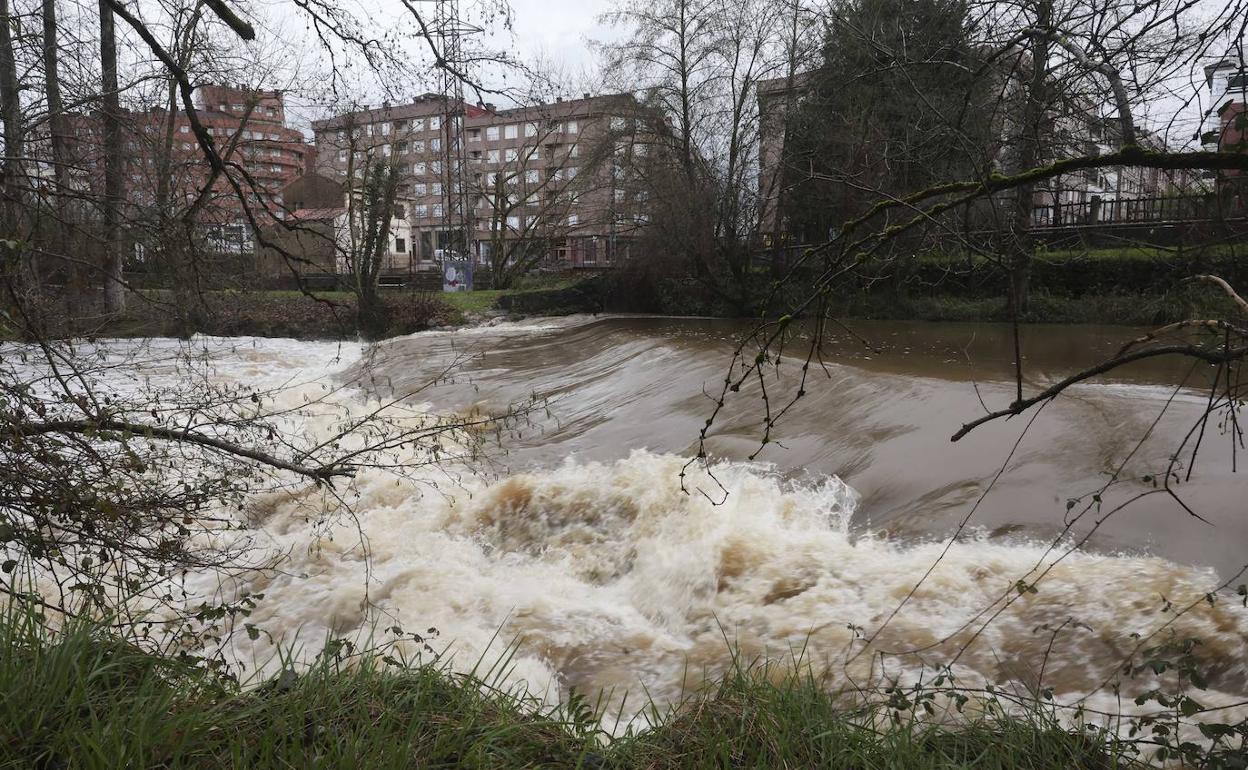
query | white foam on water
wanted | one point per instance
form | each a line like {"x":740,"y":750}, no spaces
{"x":611,"y":577}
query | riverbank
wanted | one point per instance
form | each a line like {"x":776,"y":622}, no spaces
{"x":86,"y":699}
{"x":1133,"y":287}
{"x":293,"y":314}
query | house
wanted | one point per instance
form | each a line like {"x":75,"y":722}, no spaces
{"x":1226,"y":125}
{"x":320,"y":233}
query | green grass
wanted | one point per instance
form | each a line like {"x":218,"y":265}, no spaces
{"x":467,"y":302}
{"x":83,"y":699}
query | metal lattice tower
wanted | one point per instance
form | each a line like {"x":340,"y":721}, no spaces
{"x":449,"y":31}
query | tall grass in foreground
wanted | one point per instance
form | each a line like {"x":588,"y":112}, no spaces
{"x":83,"y":699}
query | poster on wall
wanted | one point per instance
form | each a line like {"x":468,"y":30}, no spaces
{"x":457,"y":275}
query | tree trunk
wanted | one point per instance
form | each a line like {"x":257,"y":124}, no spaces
{"x":114,"y":260}
{"x":1028,"y":157}
{"x":371,"y":314}
{"x":59,"y":143}
{"x":56,"y":107}
{"x":11,"y":113}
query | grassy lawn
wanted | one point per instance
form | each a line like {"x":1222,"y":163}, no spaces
{"x":473,"y":301}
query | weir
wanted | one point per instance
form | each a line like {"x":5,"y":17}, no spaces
{"x":845,"y":548}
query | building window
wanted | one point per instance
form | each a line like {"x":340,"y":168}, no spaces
{"x":530,"y":129}
{"x":491,"y":133}
{"x":573,"y":220}
{"x":418,"y":145}
{"x":435,"y":144}
{"x":435,"y":123}
{"x":570,"y":127}
{"x":436,"y":167}
{"x":570,"y":171}
{"x":437,"y":209}
{"x":420,"y":188}
{"x":574,"y":151}
{"x":236,"y":107}
{"x":185,"y":129}
{"x":513,"y":223}
{"x":435,"y":188}
{"x":495,"y":156}
{"x":385,"y":150}
{"x":511,"y":154}
{"x":400,"y":147}
{"x":420,"y":168}
{"x":400,"y":245}
{"x":531,"y":176}
{"x":418,"y":124}
{"x":619,"y":195}
{"x":474,"y":134}
{"x":511,"y":131}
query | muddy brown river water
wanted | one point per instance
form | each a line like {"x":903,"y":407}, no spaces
{"x":881,"y":420}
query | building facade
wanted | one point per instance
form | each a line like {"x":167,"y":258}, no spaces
{"x":165,"y":166}
{"x":550,"y":182}
{"x":1226,"y":125}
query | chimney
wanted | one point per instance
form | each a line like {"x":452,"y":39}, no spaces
{"x":585,"y":95}
{"x":558,"y":100}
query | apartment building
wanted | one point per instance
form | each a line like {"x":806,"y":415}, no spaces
{"x":551,"y":181}
{"x":163,"y":159}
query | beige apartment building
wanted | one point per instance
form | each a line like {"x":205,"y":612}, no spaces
{"x":554,"y":182}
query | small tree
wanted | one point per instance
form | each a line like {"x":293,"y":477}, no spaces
{"x":528,"y":208}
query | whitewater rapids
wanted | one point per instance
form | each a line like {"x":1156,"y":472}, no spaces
{"x":606,"y":576}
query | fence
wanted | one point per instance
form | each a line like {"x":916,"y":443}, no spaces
{"x":1130,"y":211}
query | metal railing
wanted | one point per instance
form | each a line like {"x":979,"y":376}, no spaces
{"x":1127,"y":211}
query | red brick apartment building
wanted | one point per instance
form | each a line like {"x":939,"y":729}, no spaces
{"x":248,"y":128}
{"x":554,"y":177}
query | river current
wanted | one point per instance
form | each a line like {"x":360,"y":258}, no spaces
{"x":577,"y":544}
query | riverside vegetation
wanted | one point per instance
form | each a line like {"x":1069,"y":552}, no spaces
{"x":1129,"y":286}
{"x":81,"y":698}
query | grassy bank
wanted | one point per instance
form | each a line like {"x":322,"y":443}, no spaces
{"x":86,"y":700}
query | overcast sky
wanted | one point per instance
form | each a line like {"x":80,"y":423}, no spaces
{"x":560,"y":31}
{"x":559,"y":27}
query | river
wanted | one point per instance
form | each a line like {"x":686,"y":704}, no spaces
{"x":578,"y":545}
